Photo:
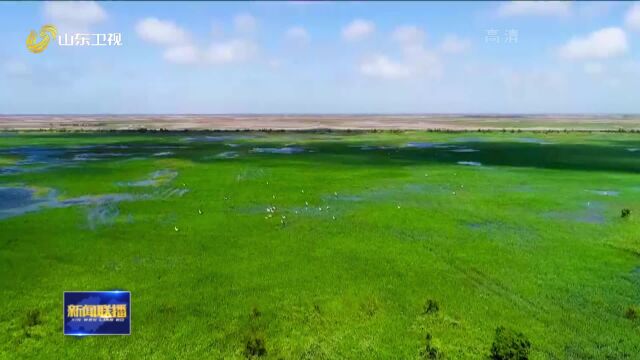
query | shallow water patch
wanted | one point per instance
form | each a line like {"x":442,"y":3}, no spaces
{"x":103,"y":213}
{"x":528,"y":140}
{"x":97,"y":156}
{"x":22,"y":200}
{"x":163,"y":153}
{"x":15,"y":197}
{"x":283,"y":150}
{"x":37,"y":158}
{"x":591,"y":213}
{"x":372,"y":147}
{"x":156,"y":178}
{"x":428,"y":145}
{"x":172,"y":192}
{"x":469,"y":163}
{"x":228,"y":155}
{"x":464,"y":150}
{"x":605,"y":192}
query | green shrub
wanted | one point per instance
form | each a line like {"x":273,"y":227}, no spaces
{"x":632,"y":312}
{"x":625,"y":213}
{"x":431,"y":351}
{"x":431,"y":307}
{"x":255,"y":347}
{"x":255,"y":312}
{"x":33,"y":318}
{"x":510,"y":345}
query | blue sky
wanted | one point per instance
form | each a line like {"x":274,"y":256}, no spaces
{"x":331,"y":57}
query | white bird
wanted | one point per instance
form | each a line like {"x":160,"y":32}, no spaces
{"x":176,"y":228}
{"x":200,"y":211}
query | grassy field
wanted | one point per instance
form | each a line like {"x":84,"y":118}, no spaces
{"x":323,"y":246}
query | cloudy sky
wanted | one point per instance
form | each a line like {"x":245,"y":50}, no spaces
{"x":331,"y":57}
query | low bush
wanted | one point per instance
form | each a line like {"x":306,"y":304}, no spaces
{"x":255,"y":312}
{"x":510,"y":345}
{"x":33,"y":318}
{"x":255,"y":347}
{"x":632,"y":312}
{"x":625,"y":213}
{"x":431,"y":307}
{"x":431,"y":351}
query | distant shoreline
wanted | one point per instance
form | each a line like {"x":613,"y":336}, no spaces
{"x":319,"y":122}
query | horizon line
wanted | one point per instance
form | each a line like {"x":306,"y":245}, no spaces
{"x":502,"y":114}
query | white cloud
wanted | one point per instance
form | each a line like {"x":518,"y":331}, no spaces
{"x":185,"y":54}
{"x":381,"y":66}
{"x":453,"y":44}
{"x":180,"y":49}
{"x":601,"y":44}
{"x":593,"y":68}
{"x":74,"y":16}
{"x":632,"y":19}
{"x":535,"y":8}
{"x":298,"y":34}
{"x":161,"y":32}
{"x":244,"y":23}
{"x":226,"y":52}
{"x":357,"y":30}
{"x":235,"y":50}
{"x":415,"y":61}
{"x":409,"y":34}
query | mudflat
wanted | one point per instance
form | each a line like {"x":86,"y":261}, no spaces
{"x":310,"y":122}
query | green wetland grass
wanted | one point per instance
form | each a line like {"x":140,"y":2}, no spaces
{"x":403,"y":245}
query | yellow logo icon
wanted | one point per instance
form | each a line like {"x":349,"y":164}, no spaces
{"x":47,"y":32}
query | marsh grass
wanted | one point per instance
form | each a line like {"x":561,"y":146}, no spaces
{"x":232,"y":284}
